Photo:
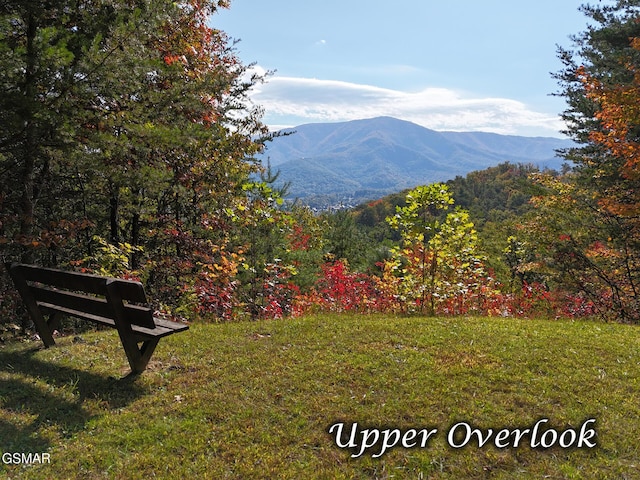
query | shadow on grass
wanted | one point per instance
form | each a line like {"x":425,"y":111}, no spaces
{"x":36,"y":397}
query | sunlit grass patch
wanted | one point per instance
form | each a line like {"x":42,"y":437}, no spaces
{"x":256,"y":399}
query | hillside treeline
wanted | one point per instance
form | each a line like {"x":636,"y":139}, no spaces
{"x":128,"y":145}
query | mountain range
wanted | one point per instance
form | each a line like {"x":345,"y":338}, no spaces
{"x":352,"y":162}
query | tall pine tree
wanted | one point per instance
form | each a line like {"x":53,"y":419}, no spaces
{"x":592,"y":248}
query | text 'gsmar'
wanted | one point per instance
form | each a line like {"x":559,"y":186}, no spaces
{"x":19,"y":458}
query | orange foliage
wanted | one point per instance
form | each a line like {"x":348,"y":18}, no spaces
{"x":189,"y":42}
{"x":619,"y":117}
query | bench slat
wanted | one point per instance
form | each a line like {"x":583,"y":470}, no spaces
{"x":136,"y":315}
{"x":84,"y":282}
{"x":175,"y":326}
{"x":158,"y":332}
{"x":62,"y":279}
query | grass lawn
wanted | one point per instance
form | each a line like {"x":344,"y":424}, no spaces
{"x":256,"y":400}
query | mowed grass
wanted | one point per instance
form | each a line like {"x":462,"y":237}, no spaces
{"x":256,"y":400}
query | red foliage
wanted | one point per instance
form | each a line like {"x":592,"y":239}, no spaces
{"x":215,"y":297}
{"x":345,"y":291}
{"x":339,"y":290}
{"x":279,"y":292}
{"x":298,"y":239}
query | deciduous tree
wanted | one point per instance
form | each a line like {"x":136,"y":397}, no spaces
{"x":438,"y":259}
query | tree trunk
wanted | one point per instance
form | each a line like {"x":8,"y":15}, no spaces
{"x":113,"y":216}
{"x":27,"y":200}
{"x":135,"y":239}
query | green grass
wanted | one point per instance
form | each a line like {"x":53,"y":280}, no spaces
{"x":255,"y":400}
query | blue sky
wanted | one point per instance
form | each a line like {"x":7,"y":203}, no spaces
{"x":462,"y":65}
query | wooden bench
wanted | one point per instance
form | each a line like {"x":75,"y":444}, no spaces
{"x":120,"y":304}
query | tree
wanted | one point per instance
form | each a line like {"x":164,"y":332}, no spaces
{"x":346,"y":239}
{"x":42,"y":89}
{"x":124,"y":122}
{"x":589,"y":225}
{"x":618,"y":114}
{"x":438,"y":259}
{"x":264,"y":230}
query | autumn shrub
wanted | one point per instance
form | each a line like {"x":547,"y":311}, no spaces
{"x":109,"y":260}
{"x":306,"y":303}
{"x":215,"y":293}
{"x":337,"y":289}
{"x":340,"y":290}
{"x":278,"y":291}
{"x":578,"y":306}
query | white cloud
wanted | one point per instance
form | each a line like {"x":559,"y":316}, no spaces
{"x":292,"y":101}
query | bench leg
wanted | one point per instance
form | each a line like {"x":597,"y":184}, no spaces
{"x":138,"y":356}
{"x":45,"y":333}
{"x":32,"y":307}
{"x":146,"y":350}
{"x":54,"y":322}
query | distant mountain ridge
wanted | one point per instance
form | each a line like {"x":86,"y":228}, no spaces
{"x":360,"y":160}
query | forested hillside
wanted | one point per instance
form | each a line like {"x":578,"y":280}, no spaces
{"x":501,"y":190}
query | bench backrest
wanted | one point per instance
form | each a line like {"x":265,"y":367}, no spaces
{"x":91,"y":294}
